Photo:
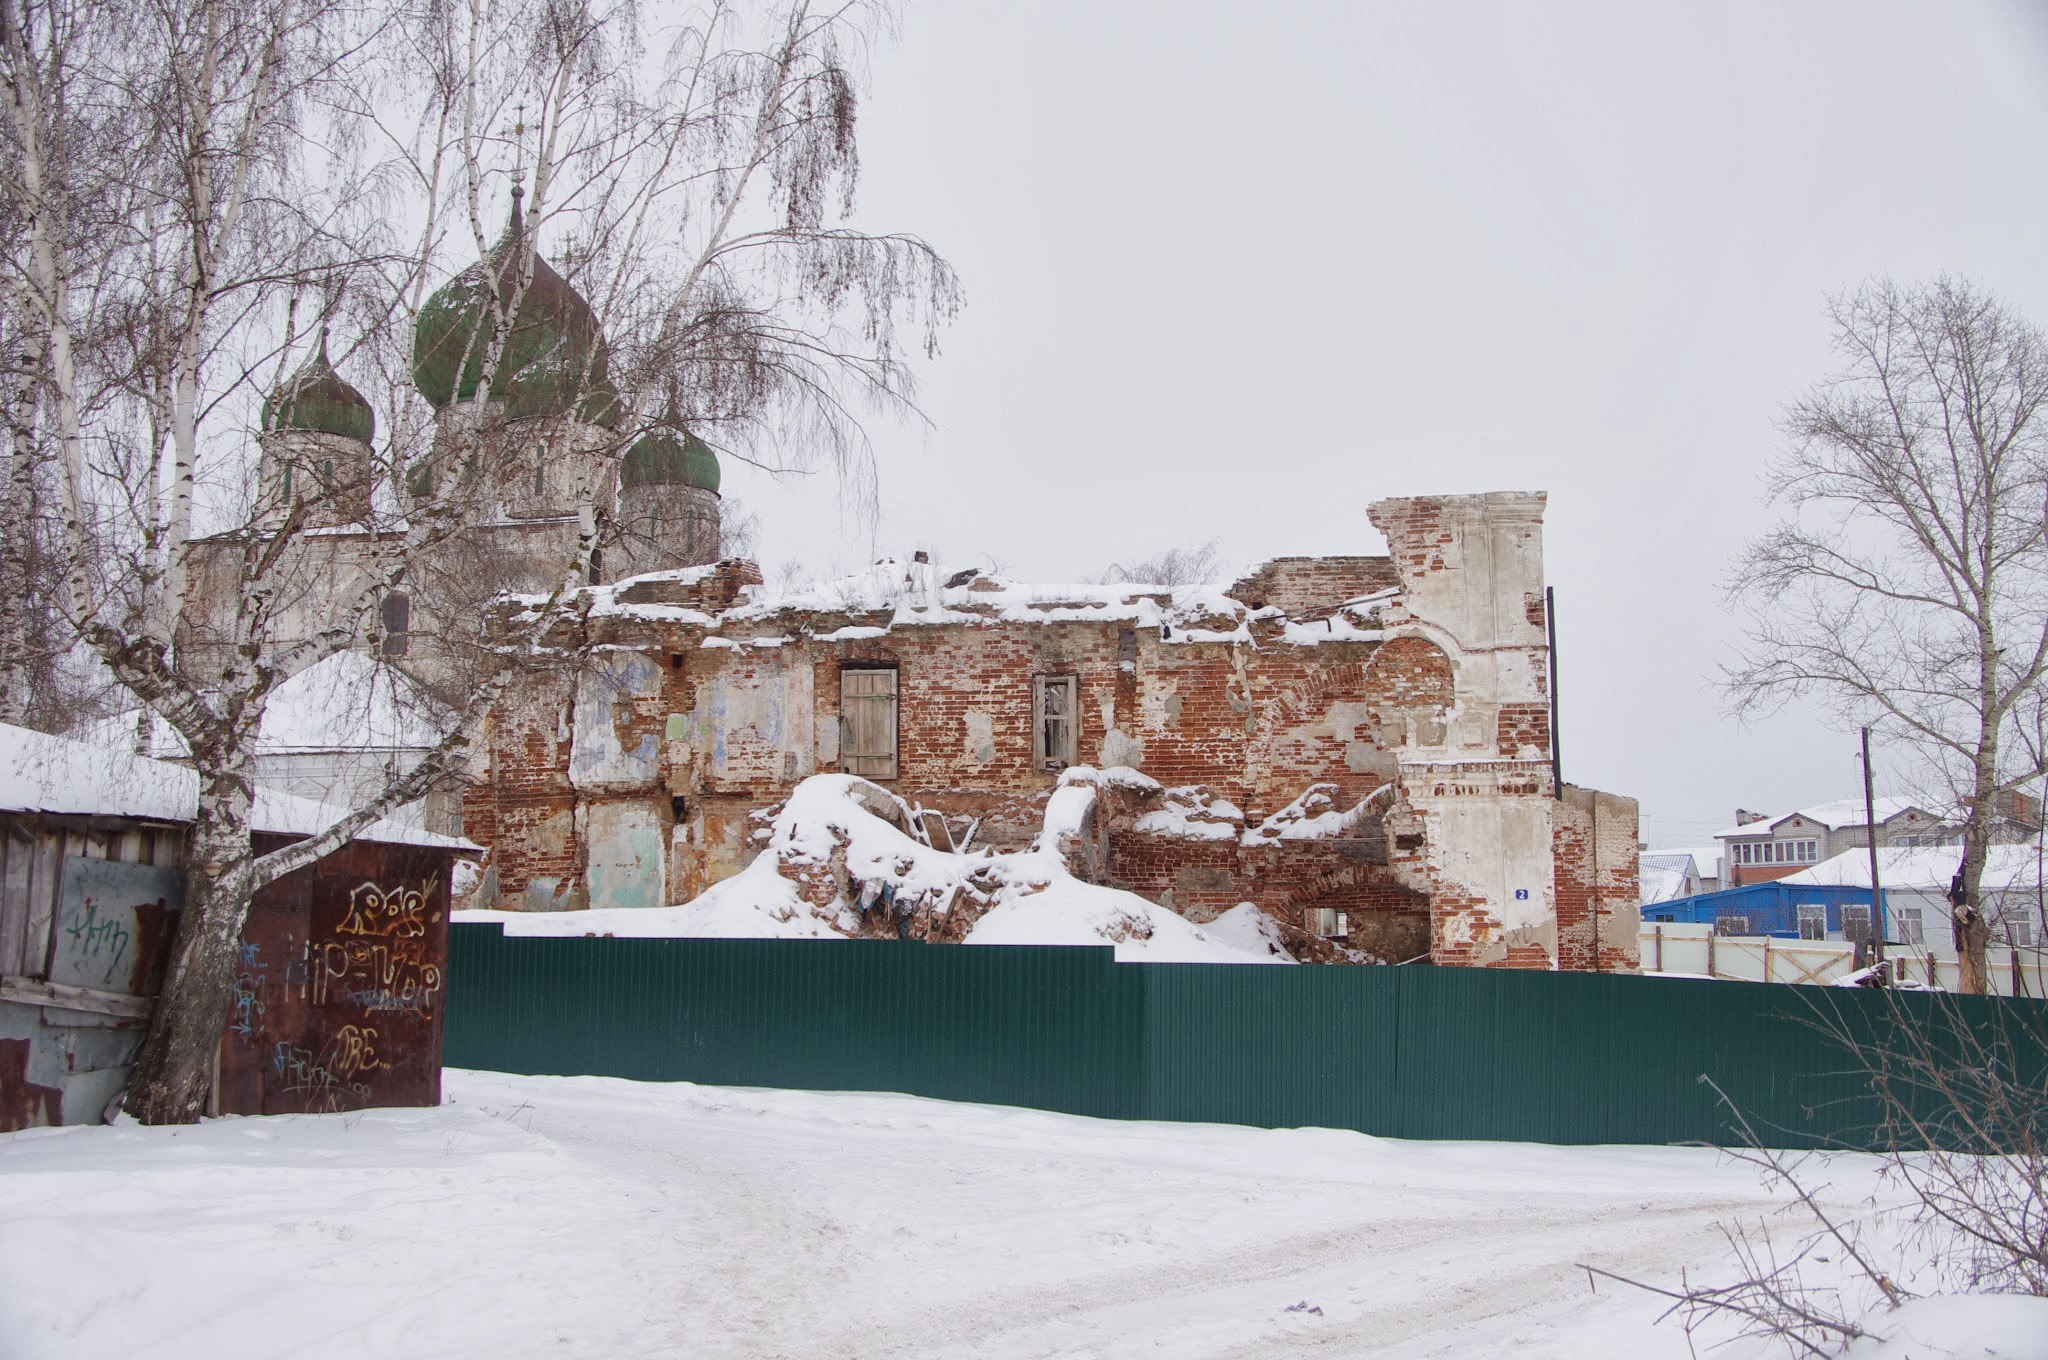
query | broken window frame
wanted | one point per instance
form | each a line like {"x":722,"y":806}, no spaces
{"x":870,"y":730}
{"x":1055,"y":747}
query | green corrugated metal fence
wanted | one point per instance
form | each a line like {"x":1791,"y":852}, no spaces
{"x":1401,"y":1052}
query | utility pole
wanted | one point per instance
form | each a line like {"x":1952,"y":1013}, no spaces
{"x":1870,"y":834}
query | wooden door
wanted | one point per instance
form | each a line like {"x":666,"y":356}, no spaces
{"x":867,"y":723}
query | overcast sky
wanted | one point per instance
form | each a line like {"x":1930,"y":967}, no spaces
{"x":1236,"y":271}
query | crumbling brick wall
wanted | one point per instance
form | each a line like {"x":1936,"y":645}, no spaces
{"x":1599,"y":919}
{"x":1304,"y":585}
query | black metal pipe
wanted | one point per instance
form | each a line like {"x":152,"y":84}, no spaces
{"x":1556,"y":755}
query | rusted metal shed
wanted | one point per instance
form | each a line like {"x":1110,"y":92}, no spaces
{"x":340,"y":977}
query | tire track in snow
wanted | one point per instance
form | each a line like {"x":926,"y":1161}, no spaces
{"x":1083,"y":1319}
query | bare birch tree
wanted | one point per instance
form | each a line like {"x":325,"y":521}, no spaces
{"x":1909,"y":586}
{"x":292,"y":176}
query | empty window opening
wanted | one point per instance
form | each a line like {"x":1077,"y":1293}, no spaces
{"x":1054,"y":708}
{"x":867,"y":723}
{"x":395,"y":613}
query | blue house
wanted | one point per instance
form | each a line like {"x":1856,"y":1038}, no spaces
{"x":1789,"y":911}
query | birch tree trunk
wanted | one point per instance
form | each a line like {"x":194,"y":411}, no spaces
{"x":174,"y":1071}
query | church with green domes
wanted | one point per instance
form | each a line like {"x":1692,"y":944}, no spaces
{"x":528,"y":454}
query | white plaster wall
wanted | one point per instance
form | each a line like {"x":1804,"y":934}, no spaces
{"x":606,"y":695}
{"x":627,"y":855}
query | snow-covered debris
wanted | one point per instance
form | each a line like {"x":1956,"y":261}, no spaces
{"x":1191,"y":812}
{"x":1247,"y":928}
{"x":1068,"y":911}
{"x":892,"y":594}
{"x":1314,"y":816}
{"x":838,"y":864}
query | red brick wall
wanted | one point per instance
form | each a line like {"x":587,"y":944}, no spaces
{"x":1303,"y":585}
{"x":1597,"y":881}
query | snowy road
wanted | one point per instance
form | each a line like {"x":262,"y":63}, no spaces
{"x":593,"y":1217}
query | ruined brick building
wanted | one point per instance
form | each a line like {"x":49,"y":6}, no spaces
{"x":1359,"y":745}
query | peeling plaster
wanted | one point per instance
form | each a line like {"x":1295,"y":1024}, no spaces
{"x":627,"y":856}
{"x":1120,"y":749}
{"x":979,"y":743}
{"x":603,"y":757}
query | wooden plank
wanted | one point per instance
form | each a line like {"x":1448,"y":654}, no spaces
{"x":867,"y":706}
{"x":44,"y":876}
{"x":36,"y":992}
{"x":14,"y":857}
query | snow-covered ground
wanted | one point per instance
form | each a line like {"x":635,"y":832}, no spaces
{"x":598,"y":1217}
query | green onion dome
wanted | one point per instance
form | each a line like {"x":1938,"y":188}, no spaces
{"x":555,"y":359}
{"x":317,"y":399}
{"x":669,"y":455}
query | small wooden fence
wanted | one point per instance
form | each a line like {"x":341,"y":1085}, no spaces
{"x":1697,"y":951}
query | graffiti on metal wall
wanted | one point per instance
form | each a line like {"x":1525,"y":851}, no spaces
{"x":338,"y":990}
{"x":329,"y":1081}
{"x":114,"y":924}
{"x":395,"y":913}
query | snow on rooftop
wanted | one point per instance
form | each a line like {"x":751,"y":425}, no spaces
{"x":892,"y":593}
{"x":40,"y":773}
{"x":1664,"y":875}
{"x":345,"y":702}
{"x":1923,"y":867}
{"x":1842,"y":812}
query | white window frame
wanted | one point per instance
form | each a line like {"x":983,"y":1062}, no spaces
{"x":1331,"y":922}
{"x":1813,"y":920}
